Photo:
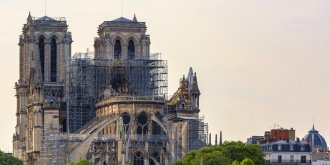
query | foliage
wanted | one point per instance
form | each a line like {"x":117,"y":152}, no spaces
{"x":247,"y":161}
{"x":6,"y":159}
{"x":228,"y":153}
{"x":235,"y":162}
{"x":178,"y":163}
{"x":81,"y":162}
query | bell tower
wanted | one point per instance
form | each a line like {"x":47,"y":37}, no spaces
{"x":122,"y":39}
{"x":45,"y":51}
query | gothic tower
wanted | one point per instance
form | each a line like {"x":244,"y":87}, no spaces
{"x":122,"y":39}
{"x":45,"y":50}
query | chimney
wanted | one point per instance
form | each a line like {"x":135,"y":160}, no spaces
{"x":210,"y":143}
{"x":220,"y":141}
{"x":216,"y":139}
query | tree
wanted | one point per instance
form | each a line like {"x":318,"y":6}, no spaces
{"x":81,"y":162}
{"x":6,"y":159}
{"x":227,"y":153}
{"x":247,"y":161}
{"x":239,"y":151}
{"x":235,"y":162}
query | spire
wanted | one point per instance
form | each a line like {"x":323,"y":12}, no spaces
{"x":134,"y":18}
{"x":190,"y":79}
{"x":29,"y":18}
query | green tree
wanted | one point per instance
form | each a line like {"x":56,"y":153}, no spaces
{"x":226,"y":153}
{"x":6,"y":159}
{"x":215,"y":157}
{"x":178,"y":163}
{"x":239,"y":151}
{"x":83,"y":162}
{"x":235,"y":162}
{"x":247,"y":161}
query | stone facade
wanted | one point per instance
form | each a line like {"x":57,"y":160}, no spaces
{"x":133,"y":124}
{"x":45,"y":50}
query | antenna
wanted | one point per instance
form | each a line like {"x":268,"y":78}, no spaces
{"x":313,"y":121}
{"x":45,"y":7}
{"x":122,"y":10}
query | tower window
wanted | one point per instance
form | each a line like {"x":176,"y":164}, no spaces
{"x":53,"y":62}
{"x":131,"y":50}
{"x":42,"y":56}
{"x":117,"y":50}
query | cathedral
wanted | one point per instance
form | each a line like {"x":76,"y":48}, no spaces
{"x":108,"y":106}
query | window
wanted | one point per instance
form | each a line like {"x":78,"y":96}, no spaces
{"x":303,"y":159}
{"x":138,"y":158}
{"x":279,"y":159}
{"x":279,"y":147}
{"x":126,"y":119}
{"x":131,"y":50}
{"x":302,"y":148}
{"x":41,"y":46}
{"x":291,"y":158}
{"x":291,"y":147}
{"x":117,"y":50}
{"x":53,"y":62}
{"x":142,"y":124}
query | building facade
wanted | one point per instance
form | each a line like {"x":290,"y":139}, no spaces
{"x":109,"y":107}
{"x":282,"y":147}
{"x":287,"y":152}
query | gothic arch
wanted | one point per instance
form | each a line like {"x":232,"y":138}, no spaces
{"x":142,"y":122}
{"x":138,"y":158}
{"x":54,"y":35}
{"x":134,"y":38}
{"x":119,"y":37}
{"x":39,"y":36}
{"x":118,"y":48}
{"x":131,"y":50}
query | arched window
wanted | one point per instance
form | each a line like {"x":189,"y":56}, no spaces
{"x":131,"y":50}
{"x":142,"y":124}
{"x":42,"y":55}
{"x":117,"y":50}
{"x":126,"y":120}
{"x":53,"y":58}
{"x":138,"y":158}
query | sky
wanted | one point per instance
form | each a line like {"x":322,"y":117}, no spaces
{"x":259,"y":63}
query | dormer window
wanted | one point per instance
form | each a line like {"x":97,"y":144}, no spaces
{"x":302,"y":148}
{"x":291,"y":147}
{"x":279,"y":147}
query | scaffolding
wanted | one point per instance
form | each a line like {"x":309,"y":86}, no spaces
{"x":91,"y":80}
{"x":53,"y":147}
{"x":142,"y":76}
{"x":81,"y":99}
{"x":197,"y":133}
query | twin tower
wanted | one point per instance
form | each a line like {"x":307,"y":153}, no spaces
{"x":68,"y":107}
